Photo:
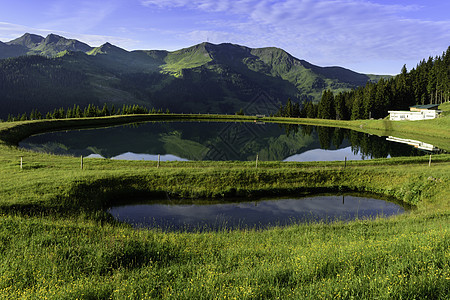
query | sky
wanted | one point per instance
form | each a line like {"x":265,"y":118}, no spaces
{"x":367,"y":36}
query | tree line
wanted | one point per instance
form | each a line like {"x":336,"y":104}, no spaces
{"x":428,"y":83}
{"x":90,"y":111}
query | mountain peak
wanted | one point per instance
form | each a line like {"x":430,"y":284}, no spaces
{"x":215,"y":51}
{"x":110,"y":47}
{"x":27,"y":40}
{"x":51,"y":45}
{"x":107,"y":48}
{"x":54,"y":44}
{"x":53,"y":38}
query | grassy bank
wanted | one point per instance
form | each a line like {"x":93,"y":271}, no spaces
{"x":56,"y":242}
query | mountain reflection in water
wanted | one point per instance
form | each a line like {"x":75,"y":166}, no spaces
{"x":219,"y":142}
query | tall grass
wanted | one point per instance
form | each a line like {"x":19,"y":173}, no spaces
{"x":403,"y":257}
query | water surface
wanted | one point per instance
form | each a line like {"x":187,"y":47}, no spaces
{"x":219,"y":141}
{"x":176,"y":215}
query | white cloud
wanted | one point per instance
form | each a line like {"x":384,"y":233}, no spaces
{"x":10,"y":31}
{"x":235,"y":6}
{"x":324,"y":31}
{"x":165,"y":3}
{"x":78,"y":16}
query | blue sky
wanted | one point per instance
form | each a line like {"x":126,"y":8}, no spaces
{"x":368,"y":36}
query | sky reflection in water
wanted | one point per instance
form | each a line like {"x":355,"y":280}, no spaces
{"x":328,"y":155}
{"x":259,"y":214}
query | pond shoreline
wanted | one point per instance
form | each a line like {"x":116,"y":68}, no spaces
{"x":244,"y":213}
{"x":433,"y":131}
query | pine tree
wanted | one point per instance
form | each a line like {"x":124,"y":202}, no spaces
{"x":90,"y":111}
{"x":124,"y":110}
{"x":296,"y":112}
{"x":280,"y":112}
{"x":382,"y":99}
{"x":69,"y":113}
{"x":33,"y":114}
{"x":309,"y":110}
{"x":369,"y":100}
{"x":289,"y":111}
{"x":326,"y":108}
{"x":105,"y":110}
{"x":339,"y":104}
{"x":357,"y":106}
{"x":62,"y":113}
{"x":55,"y":114}
{"x":76,"y":111}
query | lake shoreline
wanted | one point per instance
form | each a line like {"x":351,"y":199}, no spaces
{"x":436,"y":130}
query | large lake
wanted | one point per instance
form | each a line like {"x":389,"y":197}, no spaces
{"x":178,"y":215}
{"x":220,"y":141}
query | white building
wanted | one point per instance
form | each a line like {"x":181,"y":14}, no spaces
{"x":418,"y":112}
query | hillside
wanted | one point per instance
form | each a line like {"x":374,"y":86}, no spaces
{"x":203,"y":78}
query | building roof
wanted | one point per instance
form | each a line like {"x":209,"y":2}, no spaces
{"x":428,"y":106}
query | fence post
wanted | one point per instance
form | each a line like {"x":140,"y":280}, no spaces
{"x":345,"y":163}
{"x":159,"y":160}
{"x":257,"y":161}
{"x":21,"y":162}
{"x":429,"y":163}
{"x":81,"y":162}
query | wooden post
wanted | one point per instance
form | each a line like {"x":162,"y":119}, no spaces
{"x":257,"y":161}
{"x":345,"y":162}
{"x":159,"y":160}
{"x":81,"y":162}
{"x":21,"y":162}
{"x":429,"y":163}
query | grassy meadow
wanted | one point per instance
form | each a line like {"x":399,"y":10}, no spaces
{"x":56,"y":241}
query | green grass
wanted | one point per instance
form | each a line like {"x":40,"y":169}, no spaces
{"x":405,"y":257}
{"x":56,"y":241}
{"x":185,"y":59}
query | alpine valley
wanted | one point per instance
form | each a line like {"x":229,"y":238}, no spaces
{"x":44,"y":73}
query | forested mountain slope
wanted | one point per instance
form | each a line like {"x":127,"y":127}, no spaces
{"x":204,"y":78}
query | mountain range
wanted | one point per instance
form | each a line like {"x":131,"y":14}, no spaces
{"x":52,"y":72}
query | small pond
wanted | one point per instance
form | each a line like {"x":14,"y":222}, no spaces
{"x":203,"y":216}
